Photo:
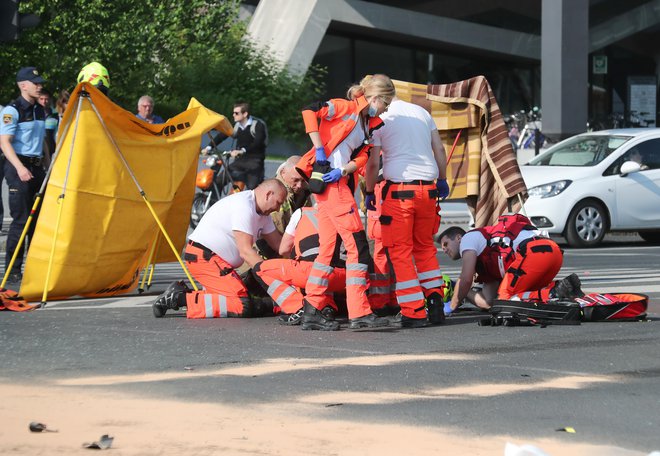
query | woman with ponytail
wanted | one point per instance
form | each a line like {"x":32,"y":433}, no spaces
{"x":340,"y":131}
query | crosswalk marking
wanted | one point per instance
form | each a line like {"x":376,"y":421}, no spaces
{"x":604,"y":280}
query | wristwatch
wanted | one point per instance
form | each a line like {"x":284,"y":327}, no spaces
{"x":344,"y":173}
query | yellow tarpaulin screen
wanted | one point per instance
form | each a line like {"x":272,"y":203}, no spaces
{"x":105,"y":229}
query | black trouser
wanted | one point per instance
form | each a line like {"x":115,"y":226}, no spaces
{"x":2,"y":177}
{"x":21,"y":199}
{"x":248,"y":170}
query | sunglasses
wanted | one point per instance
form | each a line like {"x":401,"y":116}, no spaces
{"x":237,"y":113}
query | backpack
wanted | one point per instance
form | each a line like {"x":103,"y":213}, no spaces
{"x":498,"y":253}
{"x":613,"y":306}
{"x":253,"y":129}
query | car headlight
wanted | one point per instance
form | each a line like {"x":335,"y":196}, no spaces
{"x":549,"y":190}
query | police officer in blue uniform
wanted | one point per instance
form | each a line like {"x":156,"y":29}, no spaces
{"x":22,"y":131}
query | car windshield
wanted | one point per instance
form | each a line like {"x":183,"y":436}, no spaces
{"x":587,"y":150}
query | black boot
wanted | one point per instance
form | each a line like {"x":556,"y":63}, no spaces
{"x":401,"y":321}
{"x":173,"y":297}
{"x":568,"y":288}
{"x":435,"y":308}
{"x":315,"y":319}
{"x":368,"y":321}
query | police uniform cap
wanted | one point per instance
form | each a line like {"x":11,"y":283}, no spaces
{"x":29,"y":74}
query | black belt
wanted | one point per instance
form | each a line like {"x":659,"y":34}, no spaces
{"x":29,"y":161}
{"x":208,"y":253}
{"x":414,"y":182}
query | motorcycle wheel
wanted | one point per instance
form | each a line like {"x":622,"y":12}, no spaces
{"x":197,"y":210}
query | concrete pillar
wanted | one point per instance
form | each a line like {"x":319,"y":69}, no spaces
{"x":291,"y":29}
{"x":564,"y":70}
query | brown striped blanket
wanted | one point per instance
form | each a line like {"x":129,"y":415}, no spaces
{"x":483,"y":167}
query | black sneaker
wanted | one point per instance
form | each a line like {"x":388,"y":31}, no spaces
{"x":317,"y":320}
{"x":291,"y":319}
{"x":401,"y":321}
{"x":368,"y":321}
{"x":169,"y":299}
{"x":568,"y":288}
{"x":435,"y":308}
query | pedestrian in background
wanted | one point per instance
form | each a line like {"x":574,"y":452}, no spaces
{"x":145,"y":109}
{"x":251,"y":138}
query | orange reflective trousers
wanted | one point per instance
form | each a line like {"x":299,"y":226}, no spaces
{"x":224,"y":293}
{"x":338,"y":214}
{"x":381,"y":289}
{"x":409,"y":221}
{"x":285,"y":279}
{"x":529,"y":277}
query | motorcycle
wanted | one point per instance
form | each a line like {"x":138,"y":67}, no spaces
{"x":214,"y":183}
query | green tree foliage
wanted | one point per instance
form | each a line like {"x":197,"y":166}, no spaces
{"x":172,"y":50}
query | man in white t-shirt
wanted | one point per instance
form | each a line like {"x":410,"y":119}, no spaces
{"x":513,"y":264}
{"x":222,"y":241}
{"x":414,"y":172}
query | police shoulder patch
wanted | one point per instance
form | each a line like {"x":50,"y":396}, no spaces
{"x":7,"y":118}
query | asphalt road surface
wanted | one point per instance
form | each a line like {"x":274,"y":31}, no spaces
{"x":467,"y":383}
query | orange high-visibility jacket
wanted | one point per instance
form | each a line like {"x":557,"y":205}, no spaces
{"x":337,"y":117}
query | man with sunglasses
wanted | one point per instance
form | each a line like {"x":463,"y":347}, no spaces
{"x":251,"y":138}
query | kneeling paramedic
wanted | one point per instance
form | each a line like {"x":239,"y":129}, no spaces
{"x":222,"y":241}
{"x":512,"y":259}
{"x":285,"y":278}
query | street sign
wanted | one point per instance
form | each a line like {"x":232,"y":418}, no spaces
{"x":599,"y":64}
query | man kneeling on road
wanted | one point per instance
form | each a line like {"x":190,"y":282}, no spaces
{"x":284,"y":279}
{"x":512,"y":259}
{"x":222,"y":241}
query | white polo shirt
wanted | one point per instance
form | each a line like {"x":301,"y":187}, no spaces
{"x":238,"y":212}
{"x":342,"y":153}
{"x":406,"y":142}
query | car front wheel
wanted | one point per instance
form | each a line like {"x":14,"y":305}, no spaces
{"x":586,"y":225}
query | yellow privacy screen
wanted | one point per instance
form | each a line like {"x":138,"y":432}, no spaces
{"x":106,"y":157}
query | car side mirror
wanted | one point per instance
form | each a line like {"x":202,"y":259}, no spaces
{"x":630,"y":167}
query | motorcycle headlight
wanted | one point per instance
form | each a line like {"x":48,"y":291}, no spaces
{"x":549,"y":190}
{"x":210,"y":161}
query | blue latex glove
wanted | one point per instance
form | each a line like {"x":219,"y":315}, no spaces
{"x":370,"y":201}
{"x":320,"y":155}
{"x":443,"y":188}
{"x":448,"y":310}
{"x":333,"y":176}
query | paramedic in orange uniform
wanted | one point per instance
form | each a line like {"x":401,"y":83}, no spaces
{"x":340,"y":131}
{"x":285,"y":278}
{"x":414,"y":171}
{"x":222,"y":241}
{"x":525,"y":274}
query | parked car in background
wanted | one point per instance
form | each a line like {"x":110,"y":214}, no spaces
{"x":593,"y":183}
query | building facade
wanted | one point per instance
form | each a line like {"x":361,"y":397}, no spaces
{"x":577,"y":60}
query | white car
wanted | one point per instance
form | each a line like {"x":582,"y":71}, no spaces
{"x":593,"y":183}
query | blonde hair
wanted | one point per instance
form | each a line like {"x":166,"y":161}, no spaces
{"x":378,"y":85}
